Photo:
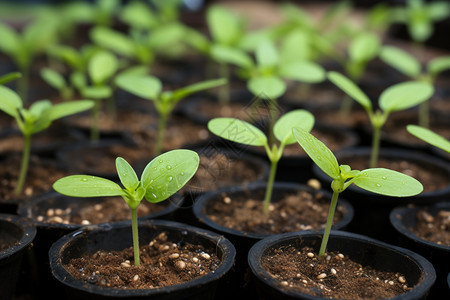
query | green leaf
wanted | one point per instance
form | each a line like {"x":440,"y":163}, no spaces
{"x":421,"y":30}
{"x":266,"y":54}
{"x":9,"y":77}
{"x":429,"y":136}
{"x":147,"y":87}
{"x":96,"y":92}
{"x":364,"y":47}
{"x":138,"y":14}
{"x":238,"y":131}
{"x":61,"y":110}
{"x":126,"y":174}
{"x":224,"y":26}
{"x":163,"y":38}
{"x":297,"y":118}
{"x":303,"y":71}
{"x":438,"y":65}
{"x":388,"y":182}
{"x":10,"y":41}
{"x":168,"y":173}
{"x":197,"y":87}
{"x":53,"y":78}
{"x":102,"y":66}
{"x":10,"y":101}
{"x":114,"y":41}
{"x":230,"y":55}
{"x":318,"y":152}
{"x":87,"y":186}
{"x":197,"y":40}
{"x":438,"y":10}
{"x":296,"y":46}
{"x":350,"y":89}
{"x":405,"y":95}
{"x":267,"y":87}
{"x":39,"y":107}
{"x":401,"y":61}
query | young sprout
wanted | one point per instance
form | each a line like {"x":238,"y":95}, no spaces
{"x":410,"y":66}
{"x":35,"y":119}
{"x":4,"y":79}
{"x":398,"y":97}
{"x":150,"y":88}
{"x":245,"y":133}
{"x":429,"y":136}
{"x":377,"y":180}
{"x":57,"y":81}
{"x":161,"y":178}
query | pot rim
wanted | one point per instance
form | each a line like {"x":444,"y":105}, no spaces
{"x":28,"y":235}
{"x":398,"y":224}
{"x":258,"y":249}
{"x":201,"y":201}
{"x":60,"y":273}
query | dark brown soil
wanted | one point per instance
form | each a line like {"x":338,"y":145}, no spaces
{"x":432,"y":180}
{"x":333,"y":275}
{"x":292,"y":212}
{"x":210,"y":110}
{"x":163,"y":263}
{"x":218,"y":171}
{"x":113,"y":209}
{"x":435,"y":229}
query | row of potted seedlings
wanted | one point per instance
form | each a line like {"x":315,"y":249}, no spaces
{"x":282,"y":179}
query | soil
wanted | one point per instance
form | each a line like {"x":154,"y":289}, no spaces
{"x":163,"y":263}
{"x":112,"y":209}
{"x":432,"y":180}
{"x":219,"y":170}
{"x":212,"y":109}
{"x":435,"y":229}
{"x":333,"y":275}
{"x":356,"y":119}
{"x":40,"y":178}
{"x":293,"y":211}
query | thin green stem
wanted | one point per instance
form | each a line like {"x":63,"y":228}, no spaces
{"x":161,"y":131}
{"x":24,"y":166}
{"x":224,"y":90}
{"x":22,"y":84}
{"x":375,"y":146}
{"x":134,"y":228}
{"x":268,"y":196}
{"x":326,"y":234}
{"x":424,"y":120}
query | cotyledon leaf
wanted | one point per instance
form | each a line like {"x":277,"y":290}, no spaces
{"x":87,"y":186}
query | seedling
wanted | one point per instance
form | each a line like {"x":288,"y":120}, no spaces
{"x":398,"y":97}
{"x":161,"y":178}
{"x":4,"y":79}
{"x":57,"y":81}
{"x":35,"y":119}
{"x":242,"y":132}
{"x":150,"y":88}
{"x":410,"y":66}
{"x":429,"y":136}
{"x":377,"y":180}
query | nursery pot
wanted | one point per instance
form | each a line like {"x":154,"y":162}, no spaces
{"x":372,"y":210}
{"x":50,"y":229}
{"x":16,"y":234}
{"x":117,"y":237}
{"x":244,"y":240}
{"x":404,"y":219}
{"x":361,"y":249}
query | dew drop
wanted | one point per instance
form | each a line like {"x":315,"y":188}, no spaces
{"x":182,"y":173}
{"x":365,"y":173}
{"x":168,"y":167}
{"x":84,"y":179}
{"x":170,"y":178}
{"x":154,"y":196}
{"x":378,"y":185}
{"x":319,"y":158}
{"x":160,"y":161}
{"x":384,"y":177}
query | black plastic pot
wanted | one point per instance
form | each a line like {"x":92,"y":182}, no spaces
{"x":361,"y":249}
{"x":245,"y":240}
{"x":372,"y":210}
{"x":403,"y":219}
{"x":17,"y":234}
{"x":48,"y":233}
{"x":118,"y":237}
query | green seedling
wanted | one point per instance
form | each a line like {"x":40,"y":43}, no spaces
{"x":23,"y":46}
{"x":4,"y":79}
{"x":377,"y":180}
{"x":38,"y":117}
{"x":150,"y":88}
{"x":429,"y":136}
{"x":410,"y":66}
{"x":57,"y":81}
{"x":242,"y":132}
{"x":397,"y":97}
{"x":161,"y":178}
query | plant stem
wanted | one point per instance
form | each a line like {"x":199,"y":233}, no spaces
{"x":95,"y":121}
{"x":273,"y":171}
{"x":134,"y":228}
{"x":24,"y":166}
{"x":224,"y":92}
{"x":22,"y":84}
{"x":424,"y":114}
{"x":326,"y":234}
{"x":375,"y":146}
{"x":161,"y":130}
